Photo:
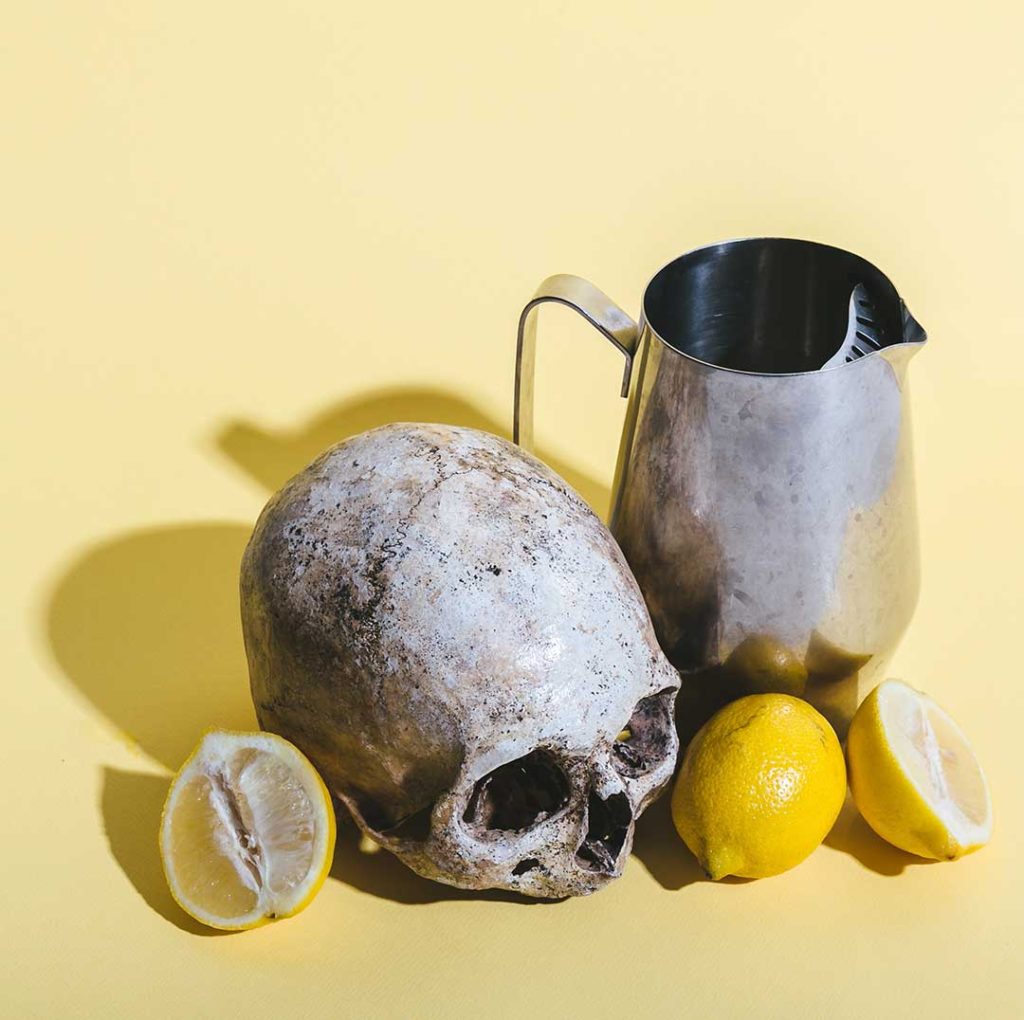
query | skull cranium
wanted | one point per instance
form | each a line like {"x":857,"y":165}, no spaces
{"x":455,"y":640}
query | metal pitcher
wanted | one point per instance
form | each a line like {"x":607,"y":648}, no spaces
{"x":764,"y":492}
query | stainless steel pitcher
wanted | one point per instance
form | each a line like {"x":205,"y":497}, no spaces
{"x":764,"y":492}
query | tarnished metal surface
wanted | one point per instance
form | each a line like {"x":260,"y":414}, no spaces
{"x":761,"y":496}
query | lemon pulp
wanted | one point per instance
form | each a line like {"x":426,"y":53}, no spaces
{"x":248,"y":830}
{"x":914,"y":776}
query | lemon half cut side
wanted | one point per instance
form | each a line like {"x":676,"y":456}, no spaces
{"x":914,"y":775}
{"x":248,"y":829}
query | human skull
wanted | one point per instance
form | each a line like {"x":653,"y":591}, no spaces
{"x":454,"y":639}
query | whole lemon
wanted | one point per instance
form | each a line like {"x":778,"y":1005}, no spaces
{"x":762,"y":783}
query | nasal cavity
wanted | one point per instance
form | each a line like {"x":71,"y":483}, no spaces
{"x":608,"y":823}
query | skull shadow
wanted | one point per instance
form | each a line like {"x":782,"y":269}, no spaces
{"x":375,"y":871}
{"x":145,"y":625}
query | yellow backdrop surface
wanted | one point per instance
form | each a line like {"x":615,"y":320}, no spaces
{"x":233,"y":233}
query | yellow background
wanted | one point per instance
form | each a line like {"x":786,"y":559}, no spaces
{"x":233,"y":233}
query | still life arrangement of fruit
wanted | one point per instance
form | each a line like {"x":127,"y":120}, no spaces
{"x":446,"y":641}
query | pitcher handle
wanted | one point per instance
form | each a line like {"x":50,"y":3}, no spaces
{"x":597,"y":308}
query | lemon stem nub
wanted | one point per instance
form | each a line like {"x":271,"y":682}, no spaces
{"x":719,"y":864}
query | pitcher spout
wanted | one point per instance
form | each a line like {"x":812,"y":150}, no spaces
{"x":899,"y":354}
{"x":913,"y":331}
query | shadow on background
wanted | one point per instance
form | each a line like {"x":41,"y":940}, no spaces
{"x":853,"y":836}
{"x":272,"y":457}
{"x":131,"y":804}
{"x":146,"y":625}
{"x":670,"y":863}
{"x":382,"y":874}
{"x":660,"y":849}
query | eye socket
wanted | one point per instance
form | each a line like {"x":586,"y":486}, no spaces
{"x":519,"y":794}
{"x":645,"y":740}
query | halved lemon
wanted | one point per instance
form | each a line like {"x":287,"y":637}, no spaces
{"x":914,"y":776}
{"x":247,"y":833}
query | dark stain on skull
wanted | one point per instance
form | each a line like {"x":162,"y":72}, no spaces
{"x":647,"y":738}
{"x":525,"y":865}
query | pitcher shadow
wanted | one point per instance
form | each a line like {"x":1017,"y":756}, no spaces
{"x":272,"y":456}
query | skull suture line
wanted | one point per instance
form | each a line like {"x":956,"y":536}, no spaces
{"x":455,"y":640}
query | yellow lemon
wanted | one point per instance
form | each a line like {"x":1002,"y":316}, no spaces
{"x":914,"y":776}
{"x":762,"y":783}
{"x":247,"y":833}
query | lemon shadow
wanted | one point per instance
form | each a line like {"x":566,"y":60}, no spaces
{"x":131,"y":803}
{"x":852,"y":835}
{"x":272,"y":456}
{"x":147,"y":626}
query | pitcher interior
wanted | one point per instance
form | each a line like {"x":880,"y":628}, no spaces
{"x":768,"y":304}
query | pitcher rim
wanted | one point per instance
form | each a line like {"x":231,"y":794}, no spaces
{"x":645,"y":322}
